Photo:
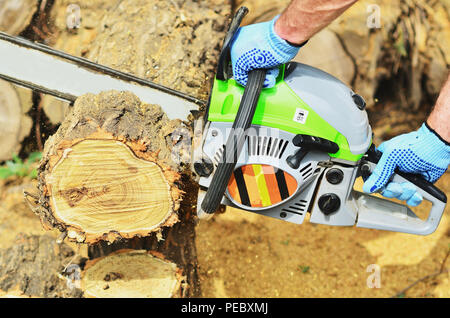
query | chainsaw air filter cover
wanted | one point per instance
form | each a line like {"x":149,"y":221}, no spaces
{"x":260,"y":186}
{"x":262,"y":180}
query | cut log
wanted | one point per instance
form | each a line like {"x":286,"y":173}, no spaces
{"x":16,"y":15}
{"x":131,"y":274}
{"x":173,"y":43}
{"x":109,"y":175}
{"x":15,"y":124}
{"x":105,"y":175}
{"x":37,"y":266}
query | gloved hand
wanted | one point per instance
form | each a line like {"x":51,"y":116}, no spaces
{"x":421,"y":152}
{"x":258,"y":46}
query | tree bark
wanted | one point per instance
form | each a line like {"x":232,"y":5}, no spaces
{"x":111,"y":155}
{"x":37,"y":266}
{"x":173,"y":43}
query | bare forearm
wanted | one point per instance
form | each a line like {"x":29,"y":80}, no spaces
{"x":439,"y":118}
{"x":304,"y":18}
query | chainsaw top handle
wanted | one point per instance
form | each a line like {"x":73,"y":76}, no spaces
{"x":235,"y":142}
{"x":224,"y":70}
{"x":242,"y":122}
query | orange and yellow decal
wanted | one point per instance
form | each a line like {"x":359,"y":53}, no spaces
{"x":260,"y":185}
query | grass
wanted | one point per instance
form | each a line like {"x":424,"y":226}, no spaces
{"x":286,"y":242}
{"x":400,"y":45}
{"x":19,"y":168}
{"x":304,"y":269}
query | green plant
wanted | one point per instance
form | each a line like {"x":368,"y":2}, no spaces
{"x":304,"y":269}
{"x":400,"y":45}
{"x":18,"y":167}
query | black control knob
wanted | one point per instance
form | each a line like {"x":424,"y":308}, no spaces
{"x":365,"y":171}
{"x":294,"y":160}
{"x":307,"y":143}
{"x":329,"y":203}
{"x":359,"y":101}
{"x":334,"y":176}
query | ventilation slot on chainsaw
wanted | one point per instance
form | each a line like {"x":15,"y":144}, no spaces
{"x":297,"y":207}
{"x":218,"y":156}
{"x":306,"y":171}
{"x":266,"y":146}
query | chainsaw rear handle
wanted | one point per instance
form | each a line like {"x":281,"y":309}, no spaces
{"x":411,"y":224}
{"x":391,"y":221}
{"x":234,"y":144}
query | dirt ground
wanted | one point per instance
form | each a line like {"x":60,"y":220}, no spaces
{"x":243,"y":254}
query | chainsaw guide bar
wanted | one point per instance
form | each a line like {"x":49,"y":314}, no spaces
{"x":44,"y":69}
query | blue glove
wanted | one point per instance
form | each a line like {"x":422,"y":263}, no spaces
{"x":258,"y":46}
{"x":421,"y":152}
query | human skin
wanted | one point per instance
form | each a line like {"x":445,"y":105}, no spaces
{"x":304,"y":18}
{"x":439,"y":117}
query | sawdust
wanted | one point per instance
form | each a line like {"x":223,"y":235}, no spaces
{"x":389,"y":249}
{"x":242,"y":254}
{"x":442,"y":290}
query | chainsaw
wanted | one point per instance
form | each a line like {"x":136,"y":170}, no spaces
{"x":282,"y":152}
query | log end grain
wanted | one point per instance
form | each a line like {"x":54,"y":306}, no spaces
{"x":131,"y":274}
{"x":102,"y":179}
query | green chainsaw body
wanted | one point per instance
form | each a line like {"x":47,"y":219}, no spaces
{"x":296,"y":148}
{"x":306,"y":102}
{"x":276,"y":108}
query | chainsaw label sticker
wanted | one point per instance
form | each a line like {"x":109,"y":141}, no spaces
{"x":300,"y":115}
